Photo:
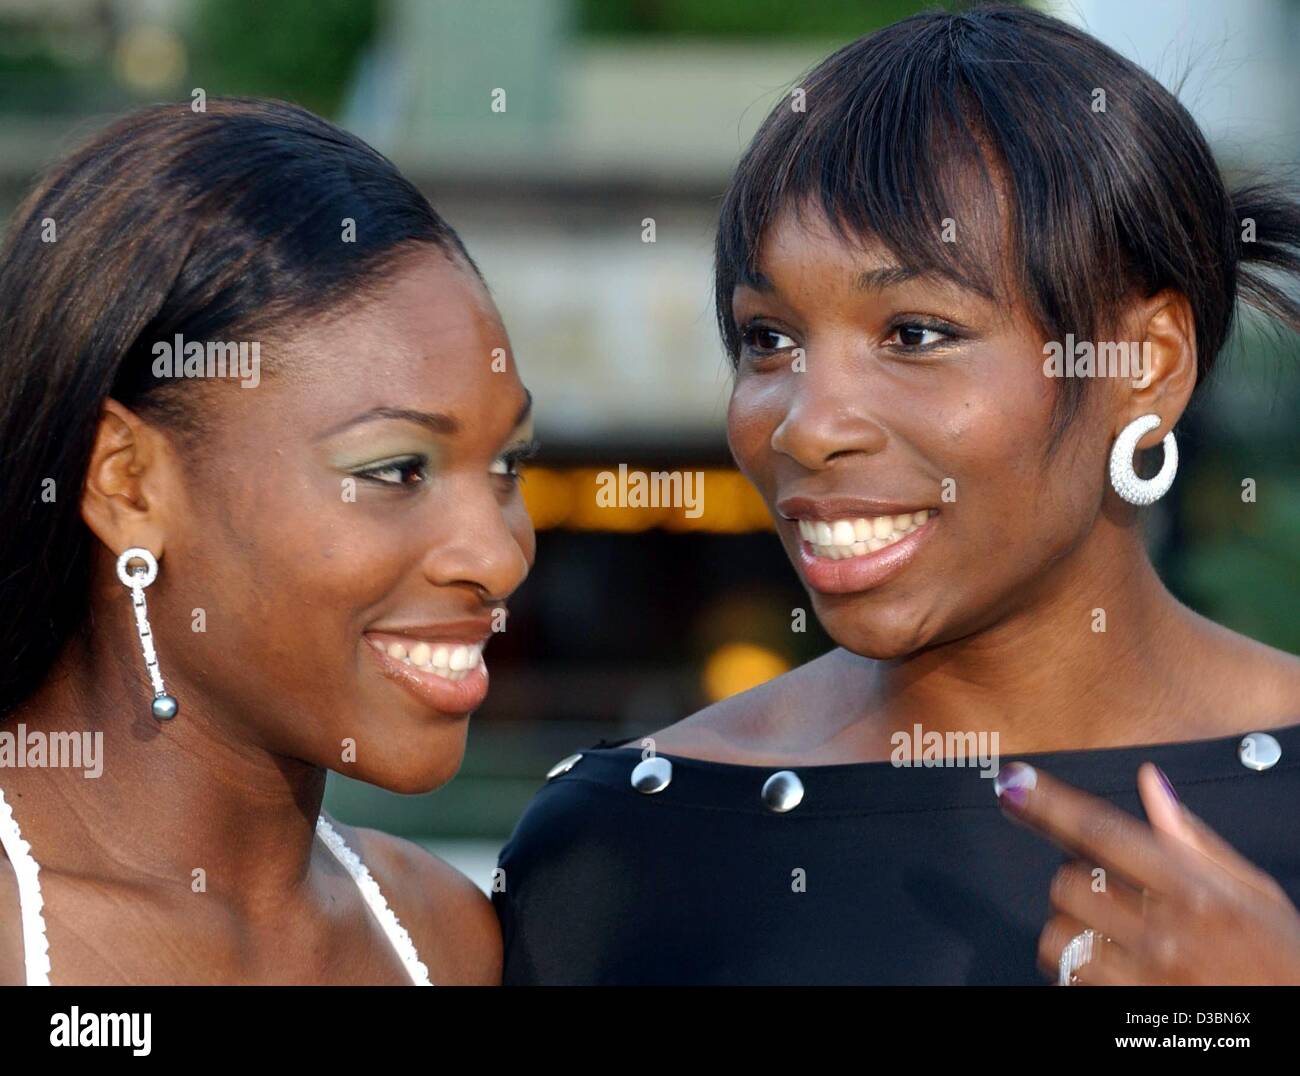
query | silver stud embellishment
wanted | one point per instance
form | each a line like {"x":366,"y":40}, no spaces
{"x":652,"y":775}
{"x":563,"y":766}
{"x":783,"y":791}
{"x":1259,"y":751}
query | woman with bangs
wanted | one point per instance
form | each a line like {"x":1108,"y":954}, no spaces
{"x":895,"y":266}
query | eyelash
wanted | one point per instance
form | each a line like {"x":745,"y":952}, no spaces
{"x":403,"y":465}
{"x":513,"y":457}
{"x":413,"y":465}
{"x":751,"y":330}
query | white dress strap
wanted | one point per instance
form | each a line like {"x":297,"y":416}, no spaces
{"x":36,"y":946}
{"x":374,"y":898}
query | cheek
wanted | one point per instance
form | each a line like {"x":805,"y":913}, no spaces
{"x":753,"y":413}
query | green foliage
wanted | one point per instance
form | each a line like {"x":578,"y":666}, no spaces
{"x":746,"y":18}
{"x":299,"y":50}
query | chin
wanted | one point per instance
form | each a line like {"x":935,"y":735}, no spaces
{"x":410,"y":765}
{"x":874,"y":633}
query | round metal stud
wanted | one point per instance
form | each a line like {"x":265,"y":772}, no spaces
{"x":140,"y":576}
{"x":652,"y":775}
{"x":783,"y":791}
{"x":1259,"y":751}
{"x":563,"y":766}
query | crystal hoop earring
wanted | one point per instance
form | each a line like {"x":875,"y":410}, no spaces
{"x":1127,"y":484}
{"x":164,"y":706}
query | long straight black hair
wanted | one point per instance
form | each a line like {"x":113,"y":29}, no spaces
{"x":207,"y":224}
{"x":1111,"y":188}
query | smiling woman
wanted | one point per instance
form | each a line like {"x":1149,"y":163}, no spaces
{"x":892,"y":259}
{"x":315,"y":561}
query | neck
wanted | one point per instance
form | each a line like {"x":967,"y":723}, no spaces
{"x":1083,"y":661}
{"x":172,"y":798}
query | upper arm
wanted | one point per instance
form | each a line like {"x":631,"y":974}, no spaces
{"x":450,"y":920}
{"x":13,"y":968}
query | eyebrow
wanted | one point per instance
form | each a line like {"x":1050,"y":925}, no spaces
{"x":443,"y":424}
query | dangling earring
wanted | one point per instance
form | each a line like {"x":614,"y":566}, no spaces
{"x":1127,"y":484}
{"x":165,"y":706}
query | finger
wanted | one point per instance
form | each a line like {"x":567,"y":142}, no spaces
{"x":1109,"y":965}
{"x":1087,"y":827}
{"x":1170,"y":817}
{"x":1085,"y":893}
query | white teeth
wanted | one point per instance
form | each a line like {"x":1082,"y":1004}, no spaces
{"x":842,"y":538}
{"x":451,"y":662}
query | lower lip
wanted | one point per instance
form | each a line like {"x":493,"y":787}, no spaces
{"x":434,"y":691}
{"x":856,"y":574}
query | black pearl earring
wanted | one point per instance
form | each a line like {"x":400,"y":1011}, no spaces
{"x":165,"y":706}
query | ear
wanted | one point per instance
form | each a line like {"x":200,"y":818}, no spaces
{"x":1165,"y":330}
{"x":123,"y":492}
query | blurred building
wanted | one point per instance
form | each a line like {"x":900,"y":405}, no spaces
{"x":580,"y":148}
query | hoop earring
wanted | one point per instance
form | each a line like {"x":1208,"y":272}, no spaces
{"x":1127,"y":484}
{"x":165,"y":706}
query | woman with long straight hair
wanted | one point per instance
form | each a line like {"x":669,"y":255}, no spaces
{"x":260,"y":518}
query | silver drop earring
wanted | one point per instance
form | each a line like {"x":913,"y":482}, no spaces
{"x":164,"y":706}
{"x":1127,"y":484}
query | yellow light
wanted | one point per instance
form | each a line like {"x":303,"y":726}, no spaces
{"x":737,"y":667}
{"x":567,"y":498}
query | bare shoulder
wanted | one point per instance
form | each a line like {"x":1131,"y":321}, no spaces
{"x":1256,"y":685}
{"x":450,"y":920}
{"x":12,"y":966}
{"x":755,"y":726}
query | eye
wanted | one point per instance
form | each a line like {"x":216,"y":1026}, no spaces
{"x":403,"y":471}
{"x":507,"y":464}
{"x":918,"y":335}
{"x":762,"y":339}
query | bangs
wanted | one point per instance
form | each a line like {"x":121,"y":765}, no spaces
{"x":983,"y":147}
{"x":893,"y":159}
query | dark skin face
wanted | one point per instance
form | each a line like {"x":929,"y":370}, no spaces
{"x":908,"y":386}
{"x":988,"y":625}
{"x":306,"y":520}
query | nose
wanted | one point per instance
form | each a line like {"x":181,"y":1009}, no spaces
{"x":827,"y":416}
{"x":475,"y":544}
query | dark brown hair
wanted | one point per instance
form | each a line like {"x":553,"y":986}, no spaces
{"x":169,"y":221}
{"x":930,"y":116}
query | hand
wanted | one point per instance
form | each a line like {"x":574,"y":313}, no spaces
{"x":1169,"y":903}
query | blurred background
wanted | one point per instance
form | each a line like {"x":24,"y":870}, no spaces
{"x":560,"y":137}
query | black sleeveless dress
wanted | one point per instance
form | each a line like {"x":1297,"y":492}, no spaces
{"x":879,"y":874}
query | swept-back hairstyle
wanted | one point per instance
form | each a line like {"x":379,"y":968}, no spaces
{"x":207,"y":224}
{"x":1111,"y":190}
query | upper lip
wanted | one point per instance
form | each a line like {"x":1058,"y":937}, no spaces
{"x":843,"y":507}
{"x":445,"y":631}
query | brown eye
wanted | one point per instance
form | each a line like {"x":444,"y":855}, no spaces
{"x":762,"y":338}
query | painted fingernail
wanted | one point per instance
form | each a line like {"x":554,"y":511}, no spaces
{"x":1014,"y":782}
{"x":1165,"y":784}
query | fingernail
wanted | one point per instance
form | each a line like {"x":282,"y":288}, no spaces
{"x":1013,"y":783}
{"x":1164,"y":782}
